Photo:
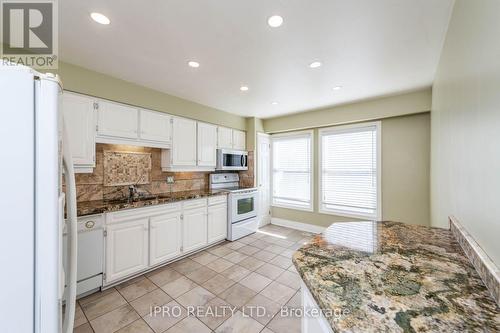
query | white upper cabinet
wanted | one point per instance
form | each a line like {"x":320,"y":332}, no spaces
{"x":117,"y":120}
{"x":207,"y":142}
{"x":183,"y":142}
{"x":224,"y":138}
{"x":80,"y":122}
{"x":165,"y":240}
{"x":155,"y":126}
{"x":239,"y":140}
{"x":228,"y":138}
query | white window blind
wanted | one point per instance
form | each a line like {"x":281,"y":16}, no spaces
{"x":292,"y":166}
{"x":349,"y":171}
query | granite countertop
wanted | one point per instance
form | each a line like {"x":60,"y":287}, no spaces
{"x":102,"y":206}
{"x":395,"y":277}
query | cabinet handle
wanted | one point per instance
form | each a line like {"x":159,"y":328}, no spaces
{"x":89,"y":224}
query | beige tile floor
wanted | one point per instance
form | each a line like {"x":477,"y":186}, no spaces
{"x":251,"y":279}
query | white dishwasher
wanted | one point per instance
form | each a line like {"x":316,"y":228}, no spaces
{"x":90,"y":253}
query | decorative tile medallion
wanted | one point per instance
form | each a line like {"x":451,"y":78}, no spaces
{"x":126,"y":168}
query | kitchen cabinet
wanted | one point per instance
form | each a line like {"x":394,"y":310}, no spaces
{"x":228,"y":138}
{"x":194,"y":234}
{"x":139,"y":239}
{"x":165,"y":237}
{"x":183,"y":142}
{"x":116,"y":121}
{"x":155,"y":126}
{"x":193,"y":147}
{"x":217,"y":222}
{"x":207,"y":144}
{"x":126,"y":248}
{"x":224,"y":138}
{"x":80,"y":121}
{"x":239,"y":140}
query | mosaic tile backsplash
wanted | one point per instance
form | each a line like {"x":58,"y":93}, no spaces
{"x":90,"y":186}
{"x":126,"y":168}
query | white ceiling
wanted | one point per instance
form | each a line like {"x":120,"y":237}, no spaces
{"x":370,"y":47}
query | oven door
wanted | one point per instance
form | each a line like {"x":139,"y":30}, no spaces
{"x":243,"y":206}
{"x":228,"y":159}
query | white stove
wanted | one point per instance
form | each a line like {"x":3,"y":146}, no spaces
{"x":242,"y":204}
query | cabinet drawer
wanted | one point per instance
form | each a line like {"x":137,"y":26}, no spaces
{"x":218,"y":199}
{"x":195,"y":203}
{"x":135,"y":213}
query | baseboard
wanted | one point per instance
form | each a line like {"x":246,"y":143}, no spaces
{"x":485,"y":267}
{"x":297,"y":225}
{"x":264,"y":221}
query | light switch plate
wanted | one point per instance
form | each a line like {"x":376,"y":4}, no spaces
{"x":170,"y":179}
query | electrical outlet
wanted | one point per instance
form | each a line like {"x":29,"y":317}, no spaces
{"x":170,"y":179}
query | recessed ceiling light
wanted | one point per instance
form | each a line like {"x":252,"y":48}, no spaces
{"x":193,"y":64}
{"x":315,"y":64}
{"x":244,"y":88}
{"x":337,"y":88}
{"x":99,"y":18}
{"x":274,"y":103}
{"x":275,"y":21}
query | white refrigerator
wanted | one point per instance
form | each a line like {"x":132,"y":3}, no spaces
{"x":35,"y":159}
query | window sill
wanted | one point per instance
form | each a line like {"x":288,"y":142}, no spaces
{"x":347,"y":214}
{"x":304,"y":209}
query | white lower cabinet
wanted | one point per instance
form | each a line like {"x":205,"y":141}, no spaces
{"x":165,"y":237}
{"x":141,"y":238}
{"x":126,"y":248}
{"x":217,"y":223}
{"x":194,"y":234}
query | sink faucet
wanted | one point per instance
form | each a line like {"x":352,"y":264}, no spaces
{"x":132,"y":190}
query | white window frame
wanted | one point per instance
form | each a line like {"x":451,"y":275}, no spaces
{"x":311,"y":167}
{"x":346,"y":128}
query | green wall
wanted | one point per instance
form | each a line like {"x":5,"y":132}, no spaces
{"x":405,"y":154}
{"x":466,"y":125}
{"x":85,"y":81}
{"x":392,"y":106}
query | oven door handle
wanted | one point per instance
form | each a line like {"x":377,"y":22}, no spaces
{"x":246,"y":193}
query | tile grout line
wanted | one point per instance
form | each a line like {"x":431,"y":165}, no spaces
{"x":217,"y":256}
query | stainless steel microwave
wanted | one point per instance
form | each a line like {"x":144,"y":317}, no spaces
{"x":231,"y":159}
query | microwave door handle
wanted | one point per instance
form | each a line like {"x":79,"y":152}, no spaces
{"x":242,"y":160}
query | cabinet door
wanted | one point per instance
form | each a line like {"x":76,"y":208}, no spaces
{"x":224,"y":138}
{"x":79,"y":119}
{"x":117,"y":120}
{"x":164,"y":238}
{"x":207,"y":141}
{"x":183,"y":142}
{"x":126,"y":248}
{"x":217,"y":223}
{"x":194,"y":229}
{"x":239,"y":140}
{"x":155,"y":126}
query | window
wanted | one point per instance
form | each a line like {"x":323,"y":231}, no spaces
{"x":292,"y":170}
{"x":350,"y":170}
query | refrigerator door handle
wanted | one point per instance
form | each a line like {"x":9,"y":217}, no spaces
{"x":72,"y":229}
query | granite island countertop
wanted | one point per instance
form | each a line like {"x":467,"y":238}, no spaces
{"x":101,"y":206}
{"x":395,"y":277}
